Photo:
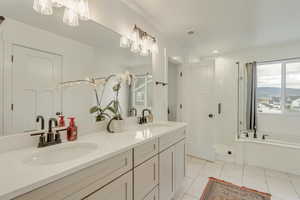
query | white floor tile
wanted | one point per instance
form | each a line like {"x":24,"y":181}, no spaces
{"x":296,"y":183}
{"x":282,"y":188}
{"x":211,"y":170}
{"x":256,"y":182}
{"x":188,"y":197}
{"x":251,"y":171}
{"x":184,"y":187}
{"x":197,"y":188}
{"x":277,"y":174}
{"x":231,"y":170}
{"x":281,"y":185}
{"x":194,"y":167}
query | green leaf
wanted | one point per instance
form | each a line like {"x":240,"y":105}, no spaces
{"x":112,"y":109}
{"x":94,"y":109}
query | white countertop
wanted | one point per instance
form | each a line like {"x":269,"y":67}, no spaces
{"x":17,"y":177}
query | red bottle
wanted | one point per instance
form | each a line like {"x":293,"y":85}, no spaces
{"x":72,"y":130}
{"x":61,"y":122}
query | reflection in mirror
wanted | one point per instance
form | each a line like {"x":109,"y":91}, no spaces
{"x":38,"y":53}
{"x":141,"y":91}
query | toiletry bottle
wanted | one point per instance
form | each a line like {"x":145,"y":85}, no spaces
{"x":61,"y":121}
{"x":72,"y":130}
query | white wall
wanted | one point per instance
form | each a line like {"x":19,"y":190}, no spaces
{"x":261,"y":155}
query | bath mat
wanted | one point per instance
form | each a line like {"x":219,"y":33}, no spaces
{"x":221,"y":190}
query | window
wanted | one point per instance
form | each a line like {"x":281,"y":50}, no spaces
{"x":278,"y":87}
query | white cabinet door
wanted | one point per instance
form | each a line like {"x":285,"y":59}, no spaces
{"x":179,"y":164}
{"x":120,"y":189}
{"x":166,"y":174}
{"x":145,"y":178}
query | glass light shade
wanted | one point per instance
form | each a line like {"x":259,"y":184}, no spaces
{"x":124,"y":42}
{"x":135,"y":47}
{"x":144,"y":47}
{"x":71,"y":17}
{"x":155,"y":48}
{"x":144,"y":52}
{"x":43,"y":7}
{"x":149,"y":43}
{"x":58,"y":3}
{"x":83,"y":9}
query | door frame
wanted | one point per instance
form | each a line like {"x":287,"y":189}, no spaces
{"x":8,"y":80}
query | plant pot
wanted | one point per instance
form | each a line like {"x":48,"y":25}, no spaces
{"x":115,"y":126}
{"x":101,"y":125}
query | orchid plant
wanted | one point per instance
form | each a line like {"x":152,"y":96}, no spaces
{"x":114,"y":105}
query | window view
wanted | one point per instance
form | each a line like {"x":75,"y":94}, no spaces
{"x":269,"y":88}
{"x":292,"y":92}
{"x":278,"y":87}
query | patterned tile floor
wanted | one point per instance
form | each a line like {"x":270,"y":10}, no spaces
{"x":282,"y":186}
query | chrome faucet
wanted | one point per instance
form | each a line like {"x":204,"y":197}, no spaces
{"x":52,"y":138}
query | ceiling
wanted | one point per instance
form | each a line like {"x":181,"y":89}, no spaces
{"x":224,"y":25}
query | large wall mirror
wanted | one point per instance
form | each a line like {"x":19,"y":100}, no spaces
{"x":38,"y":53}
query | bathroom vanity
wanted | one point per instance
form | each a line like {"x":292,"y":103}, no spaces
{"x":146,"y":163}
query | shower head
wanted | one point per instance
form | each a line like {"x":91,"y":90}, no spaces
{"x":2,"y":19}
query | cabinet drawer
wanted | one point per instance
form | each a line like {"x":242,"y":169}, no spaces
{"x":145,"y":178}
{"x":120,"y":189}
{"x":171,"y":138}
{"x":84,"y":182}
{"x":145,"y":151}
{"x":153,"y":195}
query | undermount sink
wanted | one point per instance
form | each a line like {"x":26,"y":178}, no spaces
{"x":60,"y":153}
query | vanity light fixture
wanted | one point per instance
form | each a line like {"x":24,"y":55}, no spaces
{"x":140,"y":42}
{"x":74,"y":9}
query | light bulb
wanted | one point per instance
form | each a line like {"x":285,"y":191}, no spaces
{"x":155,"y":48}
{"x":144,"y":46}
{"x":71,"y":17}
{"x":43,"y":7}
{"x":135,"y":47}
{"x":124,"y":42}
{"x":83,"y":9}
{"x":58,"y":3}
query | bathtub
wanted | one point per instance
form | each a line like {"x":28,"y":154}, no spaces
{"x":278,"y":152}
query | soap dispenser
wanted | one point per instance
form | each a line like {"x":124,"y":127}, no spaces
{"x":72,"y":130}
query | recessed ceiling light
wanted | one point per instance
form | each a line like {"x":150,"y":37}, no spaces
{"x":215,"y":51}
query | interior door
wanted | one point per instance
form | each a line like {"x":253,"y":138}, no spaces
{"x":35,"y":80}
{"x":198,"y":111}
